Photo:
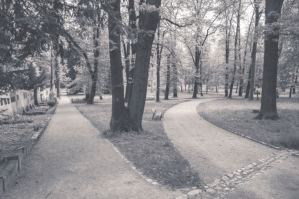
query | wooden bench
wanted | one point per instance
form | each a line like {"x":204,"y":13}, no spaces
{"x":156,"y":114}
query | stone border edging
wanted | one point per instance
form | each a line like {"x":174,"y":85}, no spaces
{"x":11,"y":165}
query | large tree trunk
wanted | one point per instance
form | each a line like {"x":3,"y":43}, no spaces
{"x":148,"y":21}
{"x":268,"y":103}
{"x":254,"y":49}
{"x":167,"y":78}
{"x":118,"y":108}
{"x":131,"y":51}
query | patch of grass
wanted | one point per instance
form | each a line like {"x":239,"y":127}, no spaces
{"x":236,"y":115}
{"x":151,"y":151}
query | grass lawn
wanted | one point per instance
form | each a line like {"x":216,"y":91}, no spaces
{"x":236,"y":115}
{"x":151,"y":151}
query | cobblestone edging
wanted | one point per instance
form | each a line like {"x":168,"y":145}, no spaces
{"x":219,"y":187}
{"x":228,"y":182}
{"x":11,"y":165}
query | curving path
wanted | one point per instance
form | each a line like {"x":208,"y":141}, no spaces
{"x":73,"y":161}
{"x":231,"y":166}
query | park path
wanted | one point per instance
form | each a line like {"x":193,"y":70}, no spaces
{"x":230,"y":166}
{"x":72,"y":160}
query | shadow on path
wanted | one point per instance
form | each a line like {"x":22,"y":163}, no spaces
{"x":214,"y":153}
{"x":72,"y":160}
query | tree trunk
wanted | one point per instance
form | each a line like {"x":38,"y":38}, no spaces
{"x":131,"y":51}
{"x":96,"y":54}
{"x":158,"y":66}
{"x":35,"y":95}
{"x":207,"y":87}
{"x":253,"y":53}
{"x":195,"y":90}
{"x":148,"y":21}
{"x":118,"y":108}
{"x":159,"y":57}
{"x":174,"y":79}
{"x":57,"y":68}
{"x":227,"y":41}
{"x":268,"y":103}
{"x":52,"y":70}
{"x":197,"y":59}
{"x":244,"y":58}
{"x":248,"y":83}
{"x":127,"y":49}
{"x":167,"y":78}
{"x":241,"y":68}
{"x":290,"y":94}
{"x":236,"y":50}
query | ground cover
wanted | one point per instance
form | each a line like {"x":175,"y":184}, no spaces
{"x":236,"y":115}
{"x":151,"y":151}
{"x":15,"y":132}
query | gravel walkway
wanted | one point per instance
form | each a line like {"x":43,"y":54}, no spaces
{"x":72,"y":160}
{"x":231,"y":166}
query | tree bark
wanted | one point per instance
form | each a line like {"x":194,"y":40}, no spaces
{"x":158,"y":64}
{"x":118,"y":108}
{"x":244,"y":58}
{"x":96,"y":54}
{"x":35,"y":95}
{"x":131,"y":51}
{"x":197,"y":58}
{"x":235,"y":52}
{"x":167,"y":78}
{"x":174,"y":79}
{"x":268,"y":102}
{"x":148,"y":21}
{"x":52,"y":70}
{"x":57,"y":68}
{"x":241,"y":68}
{"x":227,"y":41}
{"x":254,"y":49}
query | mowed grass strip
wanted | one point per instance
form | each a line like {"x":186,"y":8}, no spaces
{"x":151,"y":151}
{"x":236,"y":115}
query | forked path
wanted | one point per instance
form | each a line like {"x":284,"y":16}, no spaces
{"x":231,"y":166}
{"x":72,"y":160}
